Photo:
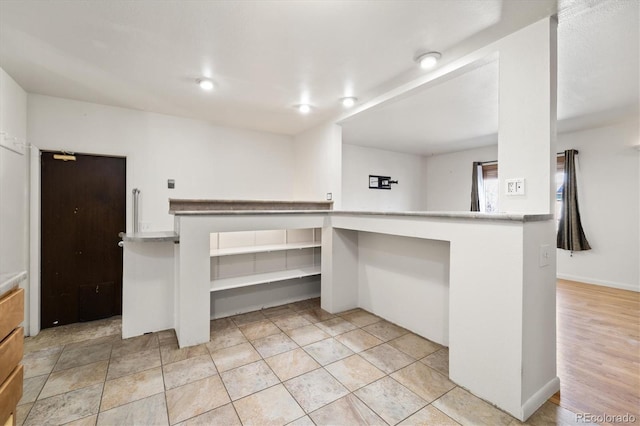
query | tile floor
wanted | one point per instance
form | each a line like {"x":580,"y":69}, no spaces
{"x":294,"y":364}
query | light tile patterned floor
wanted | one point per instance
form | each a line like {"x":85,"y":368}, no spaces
{"x":294,"y":364}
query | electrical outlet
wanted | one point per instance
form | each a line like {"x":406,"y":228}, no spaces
{"x":545,"y":255}
{"x":329,"y":196}
{"x":515,"y":186}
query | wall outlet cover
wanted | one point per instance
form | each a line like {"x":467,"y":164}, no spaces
{"x":545,"y":255}
{"x":515,"y":186}
{"x":329,"y":196}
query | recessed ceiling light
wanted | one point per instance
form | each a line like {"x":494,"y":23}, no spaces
{"x":205,"y":83}
{"x":304,"y":108}
{"x":428,"y":60}
{"x":349,"y":101}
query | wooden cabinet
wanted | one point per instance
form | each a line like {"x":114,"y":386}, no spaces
{"x":11,"y":351}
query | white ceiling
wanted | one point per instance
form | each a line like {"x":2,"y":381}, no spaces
{"x":598,"y":75}
{"x":265,"y":56}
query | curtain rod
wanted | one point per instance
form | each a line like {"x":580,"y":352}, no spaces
{"x":496,"y":161}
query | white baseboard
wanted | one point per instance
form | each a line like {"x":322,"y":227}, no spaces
{"x":587,"y":280}
{"x":544,"y":393}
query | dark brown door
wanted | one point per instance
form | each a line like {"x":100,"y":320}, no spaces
{"x":83,"y":206}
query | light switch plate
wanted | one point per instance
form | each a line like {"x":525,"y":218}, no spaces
{"x":515,"y":186}
{"x":329,"y":196}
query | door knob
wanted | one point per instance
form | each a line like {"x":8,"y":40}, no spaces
{"x":120,"y":243}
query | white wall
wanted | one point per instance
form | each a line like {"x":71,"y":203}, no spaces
{"x":418,"y":271}
{"x":318,"y":164}
{"x":609,"y":200}
{"x":359,"y":162}
{"x":14,"y":172}
{"x":447,"y":184}
{"x":207,"y":161}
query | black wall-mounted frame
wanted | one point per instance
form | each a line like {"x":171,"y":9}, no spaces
{"x":380,"y":182}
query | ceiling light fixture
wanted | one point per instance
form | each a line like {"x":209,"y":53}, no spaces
{"x":428,"y":60}
{"x":205,"y":84}
{"x":348,"y":101}
{"x":304,"y":108}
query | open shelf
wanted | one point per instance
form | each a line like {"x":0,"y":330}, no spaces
{"x":267,"y":277}
{"x":263,"y":248}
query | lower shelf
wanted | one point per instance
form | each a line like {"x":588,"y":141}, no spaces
{"x":264,"y":278}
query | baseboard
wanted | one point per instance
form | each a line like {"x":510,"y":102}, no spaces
{"x":544,"y":393}
{"x":587,"y":280}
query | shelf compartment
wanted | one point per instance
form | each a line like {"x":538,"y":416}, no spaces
{"x":264,"y":278}
{"x":263,"y":248}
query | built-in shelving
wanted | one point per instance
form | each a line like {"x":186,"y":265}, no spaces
{"x":248,"y":258}
{"x":264,"y":278}
{"x":263,"y":248}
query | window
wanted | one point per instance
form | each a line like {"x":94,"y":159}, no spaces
{"x":491,"y":187}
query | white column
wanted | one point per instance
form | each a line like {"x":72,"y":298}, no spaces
{"x":527,"y":116}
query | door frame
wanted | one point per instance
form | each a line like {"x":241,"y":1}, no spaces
{"x":35,"y":228}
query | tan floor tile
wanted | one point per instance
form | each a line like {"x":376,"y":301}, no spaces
{"x":132,"y":388}
{"x":167,"y":337}
{"x":259,"y":329}
{"x":247,"y":318}
{"x":248,"y":379}
{"x":429,"y":415}
{"x":384,"y":330}
{"x":223,"y":416}
{"x":72,"y":333}
{"x":415,"y":346}
{"x":387,"y":358}
{"x":438,"y":361}
{"x":315,"y":389}
{"x":74,"y":378}
{"x":221,"y":324}
{"x":31,"y":388}
{"x":172,"y":353}
{"x":328,"y":351}
{"x":348,"y":410}
{"x":147,"y":411}
{"x":466,"y":408}
{"x":354,"y":372}
{"x":289,"y":322}
{"x":83,"y":355}
{"x":85,"y":421}
{"x":133,"y":363}
{"x":40,"y":362}
{"x":22,"y":411}
{"x":187,"y":371}
{"x":134,"y":344}
{"x":65,"y":407}
{"x":291,"y":364}
{"x":276,"y":311}
{"x":358,"y":340}
{"x":93,"y":342}
{"x":225,"y":338}
{"x":316,"y":315}
{"x":390,"y":400}
{"x":272,"y":406}
{"x":360,"y":318}
{"x":302,"y":421}
{"x":302,"y":305}
{"x":235,"y":356}
{"x":306,"y":335}
{"x":273,"y":345}
{"x":425,"y":382}
{"x":335,"y":326}
{"x":196,"y":398}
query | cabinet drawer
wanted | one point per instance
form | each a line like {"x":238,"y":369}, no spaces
{"x":10,"y":393}
{"x":11,"y":311}
{"x":11,"y":353}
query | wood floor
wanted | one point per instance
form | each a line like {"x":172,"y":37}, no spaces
{"x":598,"y":349}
